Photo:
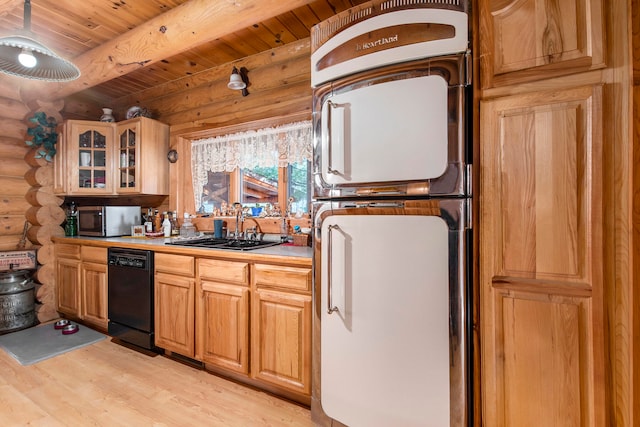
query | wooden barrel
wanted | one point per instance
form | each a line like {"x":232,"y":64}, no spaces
{"x":17,"y":301}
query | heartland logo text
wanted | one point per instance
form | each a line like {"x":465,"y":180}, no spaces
{"x":379,"y":42}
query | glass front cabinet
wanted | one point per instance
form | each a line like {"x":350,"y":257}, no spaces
{"x":99,"y":158}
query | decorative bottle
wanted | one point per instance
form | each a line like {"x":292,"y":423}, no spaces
{"x":175,"y":230}
{"x":148,"y":222}
{"x":71,"y":226}
{"x":157,"y":221}
{"x":107,"y":115}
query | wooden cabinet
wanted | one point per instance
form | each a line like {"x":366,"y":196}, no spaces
{"x":556,"y":209}
{"x":281,"y":327}
{"x":88,"y":150}
{"x":174,"y":293}
{"x":81,"y":283}
{"x":525,"y":40}
{"x":99,"y":158}
{"x":541,"y":258}
{"x":142,"y":165}
{"x":249,"y":321}
{"x":223,"y":314}
{"x":93,"y":286}
{"x":68,"y":279}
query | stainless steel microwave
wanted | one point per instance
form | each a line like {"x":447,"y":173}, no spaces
{"x":107,"y":221}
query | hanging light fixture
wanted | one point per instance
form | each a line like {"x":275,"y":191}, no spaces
{"x":22,"y":56}
{"x":239,"y":80}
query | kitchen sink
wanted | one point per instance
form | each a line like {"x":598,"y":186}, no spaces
{"x":221,"y":243}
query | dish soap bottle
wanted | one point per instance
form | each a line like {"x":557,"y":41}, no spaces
{"x":166,"y":225}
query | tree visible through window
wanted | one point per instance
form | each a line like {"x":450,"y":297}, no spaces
{"x":299,"y":186}
{"x":259,"y":186}
{"x":215,"y":191}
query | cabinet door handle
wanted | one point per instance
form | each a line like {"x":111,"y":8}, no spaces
{"x":330,"y":307}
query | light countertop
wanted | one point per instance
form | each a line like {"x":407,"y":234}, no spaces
{"x":284,"y":252}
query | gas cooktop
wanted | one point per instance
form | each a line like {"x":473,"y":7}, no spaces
{"x":221,"y":243}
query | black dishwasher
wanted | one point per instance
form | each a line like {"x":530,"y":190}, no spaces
{"x":130,"y":301}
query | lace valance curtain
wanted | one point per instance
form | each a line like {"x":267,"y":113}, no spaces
{"x":275,"y":146}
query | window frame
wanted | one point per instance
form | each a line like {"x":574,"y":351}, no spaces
{"x":181,"y":181}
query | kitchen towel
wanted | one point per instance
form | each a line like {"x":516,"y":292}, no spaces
{"x":41,"y":342}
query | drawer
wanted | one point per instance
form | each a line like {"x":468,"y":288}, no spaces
{"x":65,"y":250}
{"x":94,"y":254}
{"x":275,"y":276}
{"x":182,"y":265}
{"x":224,"y":271}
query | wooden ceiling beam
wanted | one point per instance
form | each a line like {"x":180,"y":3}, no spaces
{"x":178,"y":30}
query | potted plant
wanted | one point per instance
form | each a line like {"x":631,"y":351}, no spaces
{"x":44,"y":136}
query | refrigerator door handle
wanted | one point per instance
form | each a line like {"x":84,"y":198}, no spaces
{"x":330,"y":106}
{"x":330,"y":307}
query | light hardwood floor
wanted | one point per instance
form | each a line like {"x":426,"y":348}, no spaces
{"x":106,"y":384}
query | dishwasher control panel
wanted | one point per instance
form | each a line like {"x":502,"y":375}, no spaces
{"x":133,"y":259}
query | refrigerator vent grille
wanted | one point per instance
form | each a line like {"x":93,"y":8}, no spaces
{"x":323,"y":31}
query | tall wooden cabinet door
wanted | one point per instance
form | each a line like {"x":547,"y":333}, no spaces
{"x":223,"y":326}
{"x":128,"y":158}
{"x":89,"y":157}
{"x":68,"y":286}
{"x":523,"y":40}
{"x":281,"y":340}
{"x":142,"y":145}
{"x":175,"y":313}
{"x":541,"y":259}
{"x":94,"y":294}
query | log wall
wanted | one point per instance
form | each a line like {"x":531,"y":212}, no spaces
{"x":27,"y":203}
{"x":13,"y":166}
{"x":279,"y":84}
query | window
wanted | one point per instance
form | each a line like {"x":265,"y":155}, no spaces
{"x":215,"y":191}
{"x":266,"y":166}
{"x":299,"y":186}
{"x":259,"y":187}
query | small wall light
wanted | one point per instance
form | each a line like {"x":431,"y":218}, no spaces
{"x":239,"y":80}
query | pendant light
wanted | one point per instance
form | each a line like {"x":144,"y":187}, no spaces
{"x":22,"y":56}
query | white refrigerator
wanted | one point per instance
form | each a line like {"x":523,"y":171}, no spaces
{"x":392,"y":217}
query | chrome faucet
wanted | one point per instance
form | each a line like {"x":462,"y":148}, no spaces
{"x":239,"y":218}
{"x":256,"y":232}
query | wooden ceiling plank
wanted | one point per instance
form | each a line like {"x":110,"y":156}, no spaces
{"x":306,"y":16}
{"x":204,"y":58}
{"x":292,"y":23}
{"x":254,"y":37}
{"x":212,"y":54}
{"x":239,"y":44}
{"x":263,"y":33}
{"x":280,"y":34}
{"x":10,"y":6}
{"x":325,"y":9}
{"x":173,"y":32}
